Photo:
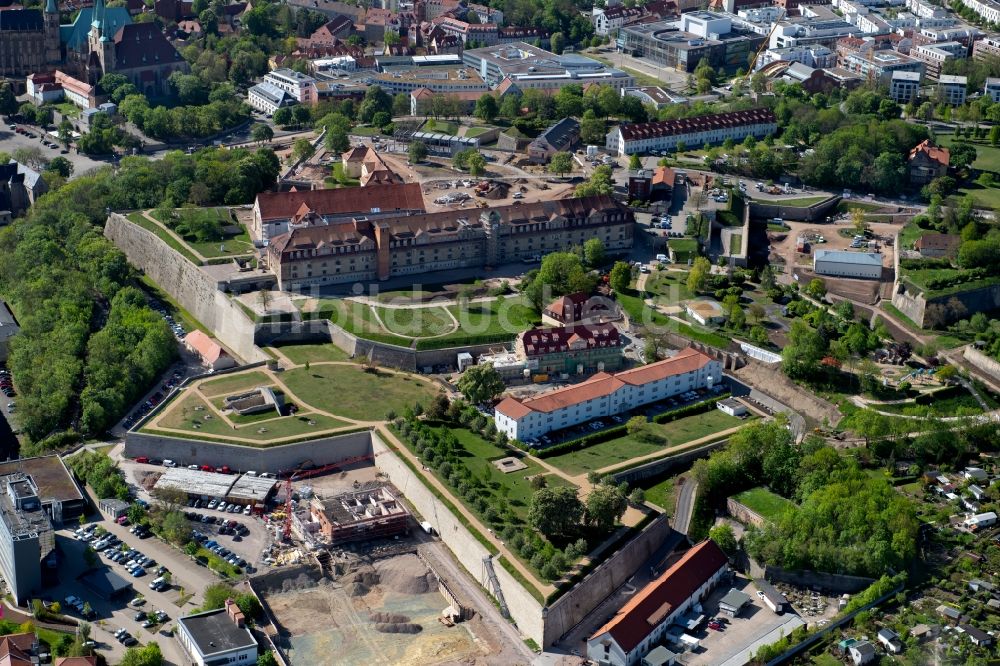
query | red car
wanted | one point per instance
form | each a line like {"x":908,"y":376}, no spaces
{"x":142,"y":459}
{"x":715,"y":625}
{"x":207,"y":468}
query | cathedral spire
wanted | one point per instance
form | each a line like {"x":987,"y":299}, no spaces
{"x":51,"y":7}
{"x":98,"y":15}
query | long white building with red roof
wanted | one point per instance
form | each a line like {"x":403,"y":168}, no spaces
{"x":633,"y":138}
{"x":641,"y":623}
{"x":606,"y":394}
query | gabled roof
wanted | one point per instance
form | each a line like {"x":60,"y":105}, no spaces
{"x":655,"y":602}
{"x":20,"y":19}
{"x":15,"y":649}
{"x":563,"y":338}
{"x":936,"y":153}
{"x":342,"y":201}
{"x":635,"y":131}
{"x":602,"y":384}
{"x":947,"y":242}
{"x":208,"y":349}
{"x":143,"y":45}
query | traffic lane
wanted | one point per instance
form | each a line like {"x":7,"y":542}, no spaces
{"x":112,"y":614}
{"x":11,"y":141}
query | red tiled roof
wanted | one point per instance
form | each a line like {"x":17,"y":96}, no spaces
{"x":276,"y":205}
{"x":556,"y":340}
{"x":658,"y":129}
{"x":208,"y":349}
{"x":15,"y":649}
{"x":601,"y":384}
{"x":658,"y":599}
{"x":664,"y":176}
{"x":936,"y":153}
{"x":76,"y":661}
{"x":938,"y":242}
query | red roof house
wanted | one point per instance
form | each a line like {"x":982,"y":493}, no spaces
{"x":208,"y":350}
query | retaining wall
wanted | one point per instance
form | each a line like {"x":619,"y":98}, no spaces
{"x":525,"y":610}
{"x":938,"y":311}
{"x":570,"y":609}
{"x":193,"y":289}
{"x":324,"y":451}
{"x":743,"y":513}
{"x":664,"y":465}
{"x":812,"y":213}
{"x":988,"y":365}
{"x":836,"y":583}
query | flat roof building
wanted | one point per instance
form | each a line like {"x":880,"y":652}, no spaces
{"x":528,"y":66}
{"x":217,"y":637}
{"x":841,"y":263}
{"x":251,"y":490}
{"x":26,"y":535}
{"x":197,"y":484}
{"x":637,"y":138}
{"x":904,"y":87}
{"x":683,"y":44}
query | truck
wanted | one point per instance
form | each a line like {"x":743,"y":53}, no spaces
{"x":427,"y":527}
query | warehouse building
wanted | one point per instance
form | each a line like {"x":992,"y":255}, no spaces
{"x":841,"y":263}
{"x":218,"y":637}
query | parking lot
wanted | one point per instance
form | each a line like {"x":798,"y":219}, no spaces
{"x":11,"y":141}
{"x":741,"y":636}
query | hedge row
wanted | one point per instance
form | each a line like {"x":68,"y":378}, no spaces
{"x":922,"y":264}
{"x":463,"y":341}
{"x":621,"y":431}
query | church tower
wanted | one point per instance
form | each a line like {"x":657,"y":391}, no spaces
{"x":101,"y":59}
{"x":53,"y":52}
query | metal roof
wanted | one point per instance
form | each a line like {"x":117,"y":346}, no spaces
{"x":196,"y":482}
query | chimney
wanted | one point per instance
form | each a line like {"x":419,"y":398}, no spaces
{"x":235,"y":614}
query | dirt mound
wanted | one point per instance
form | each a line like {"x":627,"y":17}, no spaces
{"x":366,"y":578}
{"x":300,"y":582}
{"x":406,"y":575}
{"x":383,"y":618}
{"x":398,"y":628}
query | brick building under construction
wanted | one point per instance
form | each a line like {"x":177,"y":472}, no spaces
{"x":359,"y":515}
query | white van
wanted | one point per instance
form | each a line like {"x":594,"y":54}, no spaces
{"x":169,"y":463}
{"x":156,"y":582}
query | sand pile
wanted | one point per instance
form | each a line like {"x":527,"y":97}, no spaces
{"x":406,"y":574}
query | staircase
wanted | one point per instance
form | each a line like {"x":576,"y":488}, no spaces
{"x":497,"y":592}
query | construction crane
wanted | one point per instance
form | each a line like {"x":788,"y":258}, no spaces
{"x":767,"y":41}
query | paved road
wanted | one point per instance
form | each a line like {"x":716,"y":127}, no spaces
{"x":685,"y":505}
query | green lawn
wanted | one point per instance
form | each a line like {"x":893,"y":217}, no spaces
{"x":668,"y":287}
{"x":234,"y":383}
{"x":957,"y":405}
{"x":987,"y":156}
{"x":349,"y":391}
{"x":231,"y":245}
{"x":661,"y":494}
{"x":626,"y":448}
{"x":358,"y":318}
{"x":262,"y":428}
{"x":360,"y":130}
{"x":416,"y":322}
{"x":769,"y":505}
{"x":313,"y":353}
{"x":801,"y":202}
{"x":640,"y":313}
{"x":921,"y":277}
{"x":341,"y":178}
{"x":473,"y":132}
{"x":478,"y":460}
{"x":985,"y":197}
{"x":161,"y":233}
{"x":68,"y":109}
{"x":909,"y":234}
{"x":441,"y":127}
{"x":684,"y":248}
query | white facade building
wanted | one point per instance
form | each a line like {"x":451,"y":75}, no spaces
{"x":841,"y":263}
{"x":697,"y":131}
{"x":301,"y":87}
{"x":217,"y":637}
{"x":988,"y":9}
{"x":606,"y":394}
{"x":981,"y":520}
{"x":992,"y":89}
{"x":642,"y":623}
{"x":268,"y":98}
{"x":951,"y":89}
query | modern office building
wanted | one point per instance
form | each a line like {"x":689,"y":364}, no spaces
{"x":841,"y":263}
{"x":697,"y":36}
{"x":528,"y":66}
{"x":634,"y":138}
{"x":606,"y":394}
{"x":935,"y":55}
{"x":904,"y":87}
{"x":992,"y":89}
{"x":878,"y":66}
{"x":217,"y":637}
{"x":951,"y":89}
{"x":988,"y":9}
{"x":26,"y":535}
